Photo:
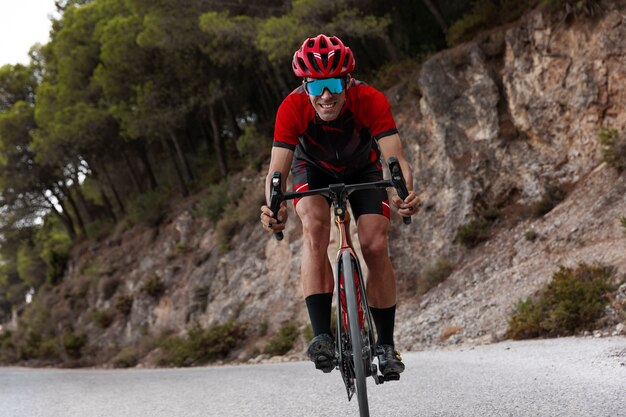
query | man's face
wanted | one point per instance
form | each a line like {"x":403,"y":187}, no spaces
{"x":327,"y":105}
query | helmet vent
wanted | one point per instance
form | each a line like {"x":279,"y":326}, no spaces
{"x":303,"y":65}
{"x":313,"y":61}
{"x":336,"y":61}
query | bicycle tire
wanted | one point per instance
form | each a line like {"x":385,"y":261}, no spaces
{"x":355,"y":334}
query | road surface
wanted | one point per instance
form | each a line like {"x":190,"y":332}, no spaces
{"x":566,"y":377}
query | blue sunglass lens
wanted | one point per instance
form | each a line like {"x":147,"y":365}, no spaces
{"x":316,"y":87}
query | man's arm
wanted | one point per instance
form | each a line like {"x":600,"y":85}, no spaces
{"x":281,"y":162}
{"x":392,"y":146}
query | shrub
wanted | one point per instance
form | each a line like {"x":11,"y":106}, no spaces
{"x":484,"y":15}
{"x":202,"y":345}
{"x":49,"y":349}
{"x":147,"y":208}
{"x":613,"y":148}
{"x":396,"y":72}
{"x":73,"y":344}
{"x":103,"y":318}
{"x":531,"y":235}
{"x":570,"y":303}
{"x":218,"y":197}
{"x":622,"y":221}
{"x":262,"y":328}
{"x":240,"y":212}
{"x":490,"y":214}
{"x":283,"y":341}
{"x":29,"y":345}
{"x":473,"y":233}
{"x":575,"y":7}
{"x":124,"y":304}
{"x":30,"y":267}
{"x":127,"y":358}
{"x":98,"y":229}
{"x":253,"y":147}
{"x":307,"y":332}
{"x":154,"y":286}
{"x":552,"y":196}
{"x":435,"y":274}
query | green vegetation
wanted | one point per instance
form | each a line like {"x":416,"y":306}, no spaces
{"x":153,"y":286}
{"x":283,"y":341}
{"x":147,"y":208}
{"x":239,"y":212}
{"x":613,"y":148}
{"x":73,"y":343}
{"x":477,"y":231}
{"x":576,"y":7}
{"x":622,"y":220}
{"x":434,"y":275}
{"x":531,"y":235}
{"x":124,"y":304}
{"x":473,"y":233}
{"x":486,"y":14}
{"x":127,"y":358}
{"x":218,"y":197}
{"x":202,"y":346}
{"x":103,"y":318}
{"x":569,"y":304}
{"x":253,"y":146}
{"x":160,"y":100}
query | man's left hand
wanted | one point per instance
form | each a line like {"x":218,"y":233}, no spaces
{"x":409,"y":206}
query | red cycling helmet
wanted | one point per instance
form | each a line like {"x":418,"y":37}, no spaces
{"x":323,"y":57}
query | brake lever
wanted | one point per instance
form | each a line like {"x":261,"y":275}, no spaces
{"x":275,"y":199}
{"x":398,"y":182}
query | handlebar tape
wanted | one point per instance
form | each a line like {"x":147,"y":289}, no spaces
{"x":398,"y":182}
{"x":275,"y":194}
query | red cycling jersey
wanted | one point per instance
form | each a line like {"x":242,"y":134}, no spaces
{"x":343,"y":146}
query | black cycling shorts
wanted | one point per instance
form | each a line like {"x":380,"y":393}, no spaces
{"x":375,"y":201}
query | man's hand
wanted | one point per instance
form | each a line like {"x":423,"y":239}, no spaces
{"x":409,"y":206}
{"x":269,"y":223}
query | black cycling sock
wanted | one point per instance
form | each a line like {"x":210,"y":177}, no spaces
{"x":385,"y":320}
{"x":319,"y":306}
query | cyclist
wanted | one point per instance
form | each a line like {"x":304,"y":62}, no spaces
{"x":334,"y":128}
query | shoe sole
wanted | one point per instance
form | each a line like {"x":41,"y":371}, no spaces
{"x":392,"y":368}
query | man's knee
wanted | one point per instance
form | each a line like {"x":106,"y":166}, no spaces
{"x":374,"y":246}
{"x":315,"y":217}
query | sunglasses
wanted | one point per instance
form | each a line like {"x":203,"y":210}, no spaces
{"x":316,"y":87}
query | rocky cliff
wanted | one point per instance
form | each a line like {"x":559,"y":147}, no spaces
{"x":489,"y":125}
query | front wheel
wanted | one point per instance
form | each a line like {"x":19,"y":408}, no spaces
{"x":355,"y":332}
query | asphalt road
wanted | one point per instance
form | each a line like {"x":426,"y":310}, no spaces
{"x":560,"y":377}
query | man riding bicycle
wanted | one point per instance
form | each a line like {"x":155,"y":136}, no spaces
{"x":331,"y":129}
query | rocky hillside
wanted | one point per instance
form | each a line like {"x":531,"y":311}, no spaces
{"x":489,"y":126}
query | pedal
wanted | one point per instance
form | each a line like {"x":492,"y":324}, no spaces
{"x":392,"y":376}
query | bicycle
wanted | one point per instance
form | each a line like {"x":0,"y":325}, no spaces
{"x":355,"y":347}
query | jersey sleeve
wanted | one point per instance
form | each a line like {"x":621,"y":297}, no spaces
{"x":286,"y":130}
{"x":379,"y":113}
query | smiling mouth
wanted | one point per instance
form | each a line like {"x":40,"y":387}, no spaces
{"x":327,"y":106}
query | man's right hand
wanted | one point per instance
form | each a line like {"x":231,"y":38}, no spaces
{"x":269,"y":223}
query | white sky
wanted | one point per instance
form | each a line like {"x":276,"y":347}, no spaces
{"x":22,"y":24}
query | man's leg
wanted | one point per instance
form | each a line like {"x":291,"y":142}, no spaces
{"x":381,"y":287}
{"x":317,"y":277}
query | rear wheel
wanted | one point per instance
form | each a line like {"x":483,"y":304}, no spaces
{"x":356,"y":334}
